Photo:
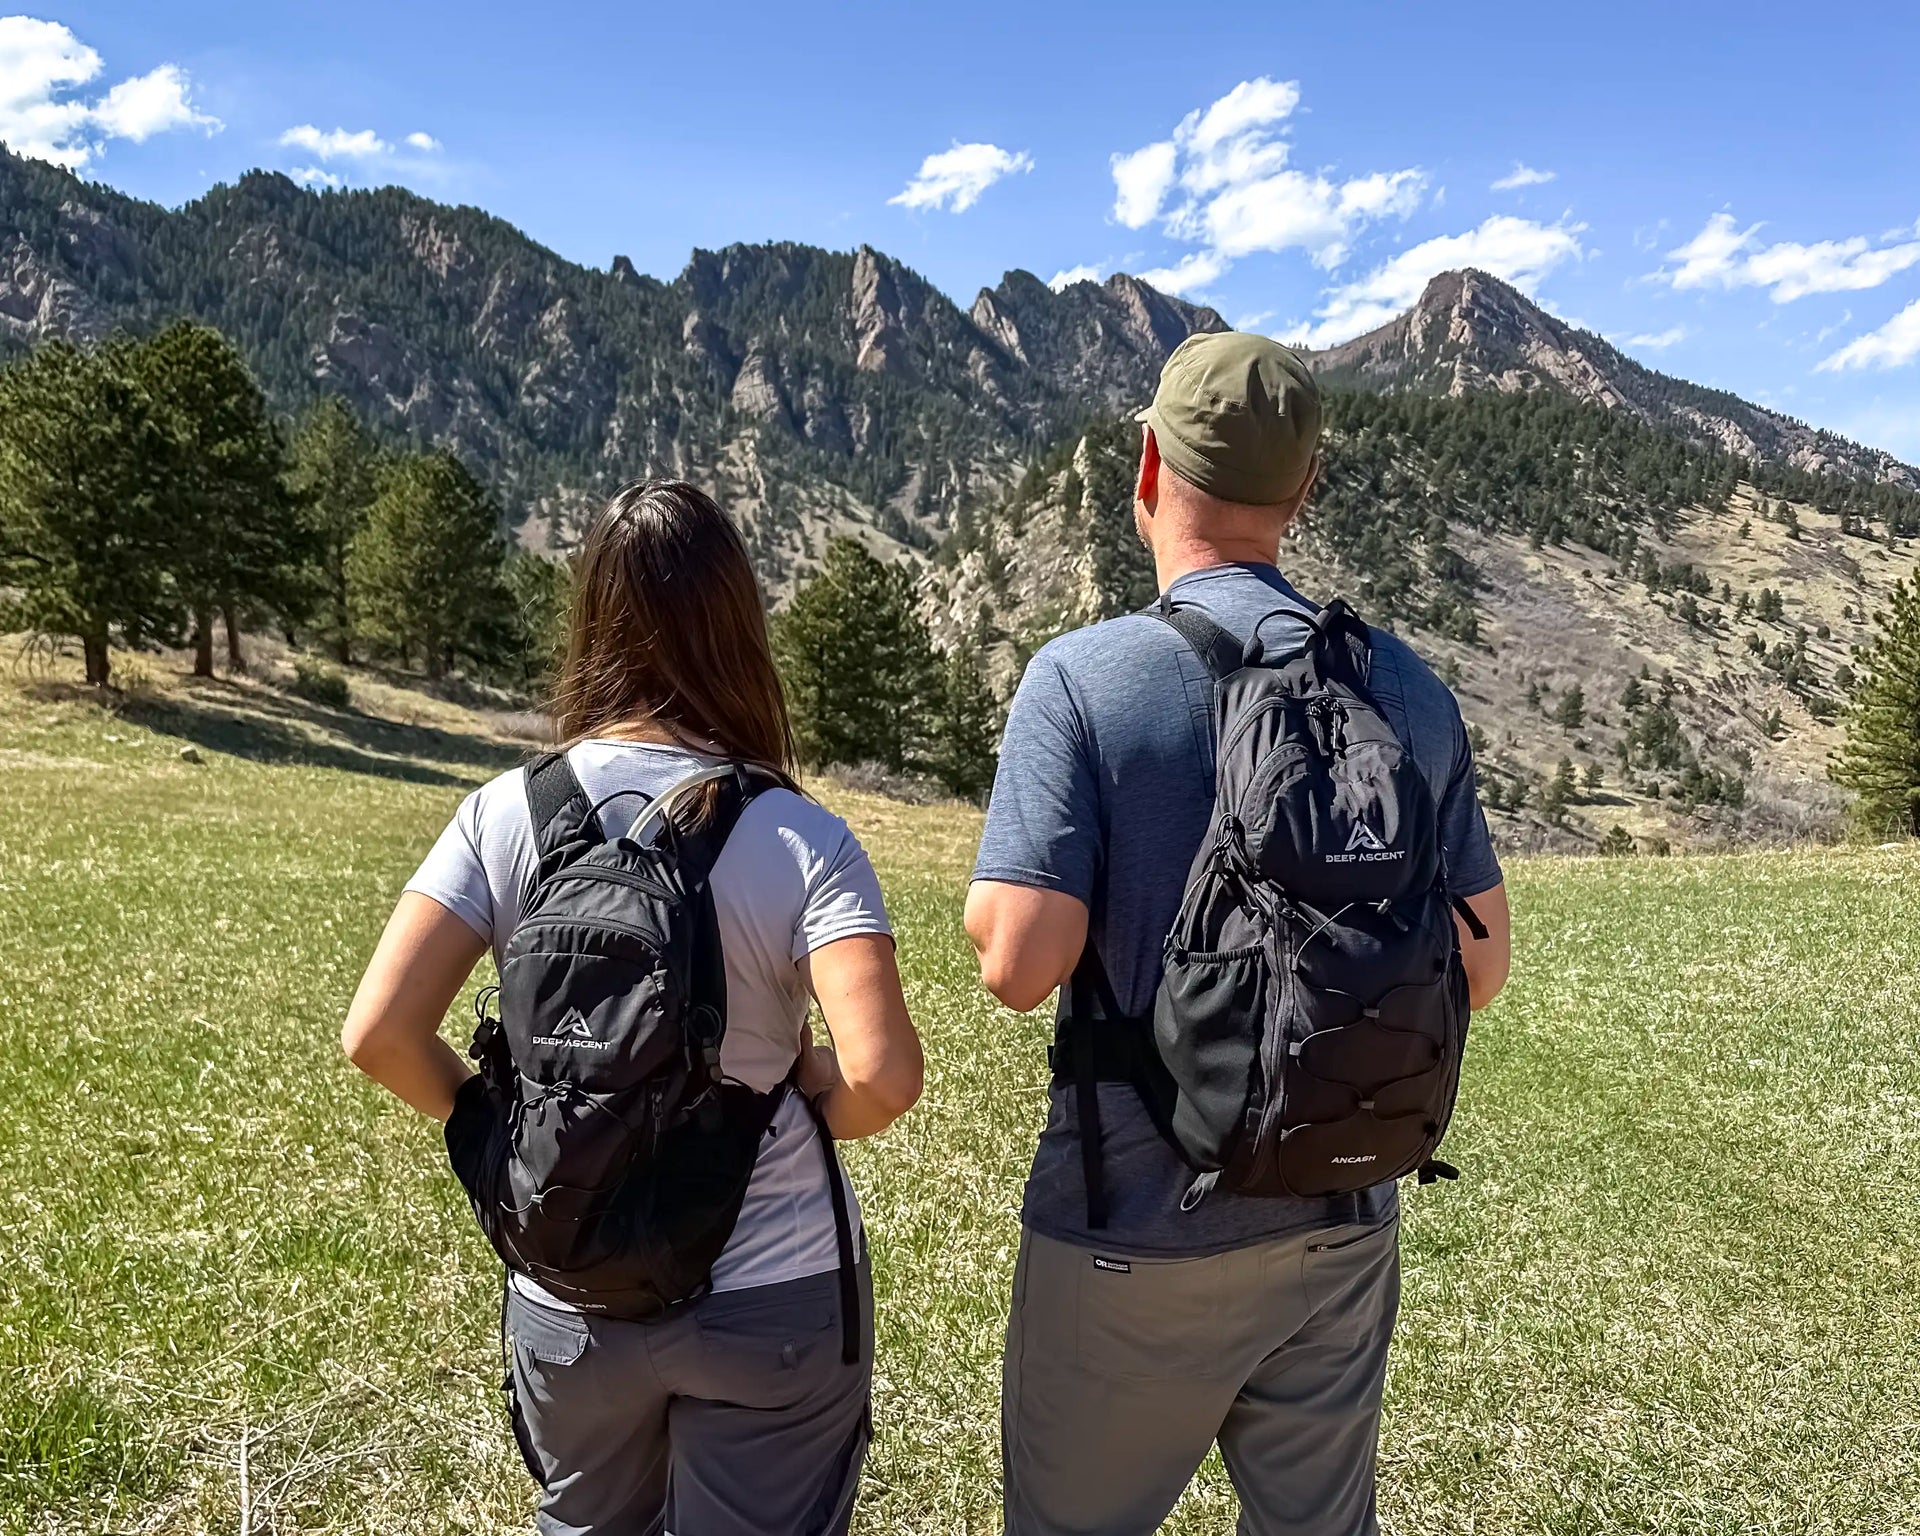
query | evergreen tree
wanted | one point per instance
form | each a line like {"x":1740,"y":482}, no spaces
{"x":1571,"y":711}
{"x":237,"y":534}
{"x":335,"y":476}
{"x":1634,"y":695}
{"x":426,"y":571}
{"x":1880,"y":759}
{"x":1558,"y":792}
{"x":1617,"y":843}
{"x":85,"y":543}
{"x":860,"y":670}
{"x":539,"y":589}
{"x":964,"y":747}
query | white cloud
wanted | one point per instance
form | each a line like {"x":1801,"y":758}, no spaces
{"x":955,"y":178}
{"x":41,"y":63}
{"x":1066,"y":277}
{"x":1522,"y":175}
{"x":1894,"y":344}
{"x":1723,"y":255}
{"x":1656,"y":340}
{"x":1189,"y":274}
{"x":426,"y":143}
{"x":1519,"y":251}
{"x":152,"y":103}
{"x":313,"y":176}
{"x":1222,"y":182}
{"x":337,"y":143}
{"x":1142,"y":181}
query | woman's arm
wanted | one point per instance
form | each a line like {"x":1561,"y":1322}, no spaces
{"x":392,"y":1031}
{"x":873,"y":1072}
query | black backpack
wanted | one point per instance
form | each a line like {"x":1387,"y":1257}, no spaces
{"x":1307,"y":1033}
{"x":605,"y":1155}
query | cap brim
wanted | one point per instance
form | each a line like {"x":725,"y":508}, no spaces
{"x":1146,"y":415}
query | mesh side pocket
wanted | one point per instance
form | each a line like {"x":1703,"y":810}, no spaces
{"x":1208,"y":1020}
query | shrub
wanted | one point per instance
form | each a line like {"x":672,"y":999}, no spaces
{"x":1617,"y":843}
{"x":321,"y":683}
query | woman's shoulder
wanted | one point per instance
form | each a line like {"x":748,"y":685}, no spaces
{"x":796,"y":817}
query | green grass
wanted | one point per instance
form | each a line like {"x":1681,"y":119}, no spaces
{"x":1676,"y":1290}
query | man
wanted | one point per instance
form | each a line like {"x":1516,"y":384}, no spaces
{"x":1262,"y":1324}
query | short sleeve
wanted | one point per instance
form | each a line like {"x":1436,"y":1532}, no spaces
{"x":1043,"y":822}
{"x":1472,"y":865}
{"x":842,"y":892}
{"x":454,"y":873}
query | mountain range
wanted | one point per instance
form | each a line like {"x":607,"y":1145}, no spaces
{"x":1540,"y":512}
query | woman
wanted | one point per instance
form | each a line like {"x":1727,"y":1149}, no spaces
{"x":735,"y":1411}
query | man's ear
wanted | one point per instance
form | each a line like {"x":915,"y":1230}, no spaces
{"x":1146,"y":487}
{"x":1291,"y":514}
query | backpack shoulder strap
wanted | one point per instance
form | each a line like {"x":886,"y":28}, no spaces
{"x":1218,"y":651}
{"x":559,"y":807}
{"x":1347,"y":641}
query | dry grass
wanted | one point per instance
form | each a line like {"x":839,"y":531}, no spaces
{"x":1674,"y":1292}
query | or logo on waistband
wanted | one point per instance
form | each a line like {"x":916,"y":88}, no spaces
{"x":1112,"y":1266}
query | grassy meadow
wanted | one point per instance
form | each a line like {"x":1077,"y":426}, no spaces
{"x":1677,"y":1288}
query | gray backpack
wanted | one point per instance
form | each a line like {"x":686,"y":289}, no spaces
{"x":1307,"y":1034}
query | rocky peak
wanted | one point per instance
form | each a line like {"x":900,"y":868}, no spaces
{"x":1469,"y":331}
{"x":622,"y":272}
{"x":877,"y":313}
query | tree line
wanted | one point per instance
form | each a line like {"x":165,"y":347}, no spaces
{"x":147,"y":491}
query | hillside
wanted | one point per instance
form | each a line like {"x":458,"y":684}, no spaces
{"x":816,"y":391}
{"x":1528,"y":546}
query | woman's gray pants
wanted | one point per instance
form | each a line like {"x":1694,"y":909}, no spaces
{"x":736,"y":1413}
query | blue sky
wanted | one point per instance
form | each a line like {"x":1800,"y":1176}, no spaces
{"x":1729,"y":192}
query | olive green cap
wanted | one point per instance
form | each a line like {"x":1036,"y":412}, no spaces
{"x":1237,"y":416}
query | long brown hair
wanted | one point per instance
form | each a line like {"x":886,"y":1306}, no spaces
{"x":667,"y":627}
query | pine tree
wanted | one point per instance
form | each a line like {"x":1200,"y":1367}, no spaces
{"x":237,"y":534}
{"x":1617,"y":843}
{"x":1634,"y":695}
{"x":335,"y":477}
{"x":539,"y":589}
{"x":1571,"y":711}
{"x":1880,"y":759}
{"x":1558,"y":792}
{"x":85,"y":543}
{"x":426,"y":571}
{"x":860,"y":670}
{"x":964,"y":747}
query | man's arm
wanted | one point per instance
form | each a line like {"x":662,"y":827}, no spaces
{"x":1487,"y":960}
{"x":1028,"y":940}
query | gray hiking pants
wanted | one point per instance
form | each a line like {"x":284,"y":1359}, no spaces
{"x":734,"y":1415}
{"x":1122,"y":1372}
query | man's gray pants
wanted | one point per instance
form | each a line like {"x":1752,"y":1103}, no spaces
{"x":735,"y":1414}
{"x":1122,"y":1372}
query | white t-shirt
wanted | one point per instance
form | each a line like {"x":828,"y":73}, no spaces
{"x":791,"y":878}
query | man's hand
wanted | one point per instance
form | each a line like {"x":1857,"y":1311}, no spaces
{"x":1028,"y":940}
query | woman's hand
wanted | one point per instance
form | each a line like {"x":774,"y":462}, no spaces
{"x":818,"y":1070}
{"x":392,"y":1031}
{"x":875,"y":1060}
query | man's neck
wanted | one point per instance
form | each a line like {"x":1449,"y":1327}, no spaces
{"x":1186,"y":557}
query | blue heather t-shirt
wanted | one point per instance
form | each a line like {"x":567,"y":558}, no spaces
{"x":1105,"y":791}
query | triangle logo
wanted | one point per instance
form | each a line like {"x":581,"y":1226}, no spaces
{"x":575,"y":1023}
{"x":1364,"y":837}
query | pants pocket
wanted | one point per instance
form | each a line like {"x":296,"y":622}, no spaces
{"x":1146,"y":1320}
{"x":1351,"y":1278}
{"x":538,"y":1340}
